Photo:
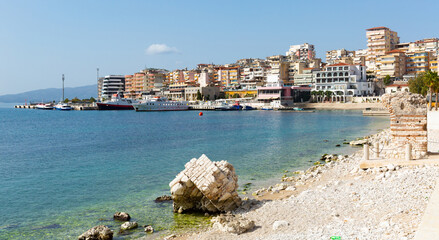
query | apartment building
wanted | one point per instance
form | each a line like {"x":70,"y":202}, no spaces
{"x":417,"y":62}
{"x":252,"y":77}
{"x":304,"y":51}
{"x":425,"y":45}
{"x":228,"y":77}
{"x":360,"y":57}
{"x":339,"y":55}
{"x":112,"y":84}
{"x":305,"y":77}
{"x":344,"y":81}
{"x":380,"y":40}
{"x":392,"y":64}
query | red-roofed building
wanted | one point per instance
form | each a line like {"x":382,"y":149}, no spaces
{"x":401,"y":87}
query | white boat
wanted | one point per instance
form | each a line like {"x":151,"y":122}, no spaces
{"x":44,"y":106}
{"x":160,"y":104}
{"x":63,"y":107}
{"x":117,"y":103}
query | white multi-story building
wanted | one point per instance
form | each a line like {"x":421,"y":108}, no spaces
{"x":302,"y":52}
{"x":252,"y":77}
{"x":343,"y":80}
{"x":112,"y":84}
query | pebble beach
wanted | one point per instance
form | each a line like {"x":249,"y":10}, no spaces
{"x":337,"y":200}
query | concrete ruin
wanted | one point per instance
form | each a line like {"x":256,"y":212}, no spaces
{"x":205,"y":186}
{"x":408,"y":125}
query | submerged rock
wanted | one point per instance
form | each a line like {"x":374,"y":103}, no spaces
{"x":163,"y":198}
{"x":232,"y":223}
{"x":128,"y":225}
{"x":122,"y":216}
{"x":149,"y":229}
{"x":100,"y":232}
{"x":205,"y":185}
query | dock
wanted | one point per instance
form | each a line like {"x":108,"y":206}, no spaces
{"x":77,"y":107}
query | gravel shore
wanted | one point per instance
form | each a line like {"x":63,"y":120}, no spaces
{"x":338,"y":199}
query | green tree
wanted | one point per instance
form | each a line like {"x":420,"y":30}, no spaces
{"x":387,"y":80}
{"x":236,"y":95}
{"x":92,"y":99}
{"x":199,"y":97}
{"x":76,"y":100}
{"x":417,"y":85}
{"x":66,"y":100}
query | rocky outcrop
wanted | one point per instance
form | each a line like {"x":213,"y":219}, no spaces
{"x":122,"y":216}
{"x":205,"y":185}
{"x":128,"y":226}
{"x":100,"y":232}
{"x":231,"y":223}
{"x":408,"y":124}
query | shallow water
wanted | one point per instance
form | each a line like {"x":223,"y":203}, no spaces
{"x":62,"y":173}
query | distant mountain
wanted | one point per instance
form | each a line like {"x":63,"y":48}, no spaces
{"x":51,"y":94}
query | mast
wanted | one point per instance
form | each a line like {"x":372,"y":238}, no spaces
{"x":63,"y":88}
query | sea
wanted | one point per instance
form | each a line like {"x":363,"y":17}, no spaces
{"x":63,"y":172}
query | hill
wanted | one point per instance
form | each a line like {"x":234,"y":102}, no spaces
{"x":51,"y":94}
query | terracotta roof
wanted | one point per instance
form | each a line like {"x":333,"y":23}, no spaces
{"x":377,"y":28}
{"x":339,"y":64}
{"x":398,"y":85}
{"x":395,"y":51}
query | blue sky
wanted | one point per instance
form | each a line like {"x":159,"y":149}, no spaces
{"x":40,"y":40}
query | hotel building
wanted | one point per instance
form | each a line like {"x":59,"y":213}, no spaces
{"x":344,"y":81}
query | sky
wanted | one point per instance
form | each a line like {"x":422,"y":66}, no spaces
{"x":41,"y":40}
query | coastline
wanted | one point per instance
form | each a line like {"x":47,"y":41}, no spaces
{"x":338,"y":106}
{"x":338,"y":199}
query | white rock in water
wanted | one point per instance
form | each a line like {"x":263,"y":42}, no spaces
{"x":128,"y":225}
{"x":280,"y":224}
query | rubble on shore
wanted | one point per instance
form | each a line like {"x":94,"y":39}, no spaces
{"x":337,"y":198}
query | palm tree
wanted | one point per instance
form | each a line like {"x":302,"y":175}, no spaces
{"x":430,"y":79}
{"x":328,"y":94}
{"x":320,"y":93}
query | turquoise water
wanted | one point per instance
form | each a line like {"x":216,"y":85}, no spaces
{"x":62,"y":173}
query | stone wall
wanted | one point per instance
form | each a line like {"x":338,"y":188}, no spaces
{"x":205,"y":185}
{"x":433,"y":131}
{"x":408,"y":124}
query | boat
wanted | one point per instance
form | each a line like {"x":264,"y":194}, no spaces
{"x":160,"y":104}
{"x":267,"y":108}
{"x":223,"y":106}
{"x":298,"y":109}
{"x":63,"y":107}
{"x":117,"y":103}
{"x":44,"y":106}
{"x":247,"y":107}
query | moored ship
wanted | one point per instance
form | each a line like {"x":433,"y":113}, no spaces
{"x":160,"y":104}
{"x":117,"y":103}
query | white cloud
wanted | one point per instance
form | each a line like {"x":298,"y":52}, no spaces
{"x":157,"y":48}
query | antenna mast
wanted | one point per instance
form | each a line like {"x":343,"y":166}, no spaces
{"x":63,"y":87}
